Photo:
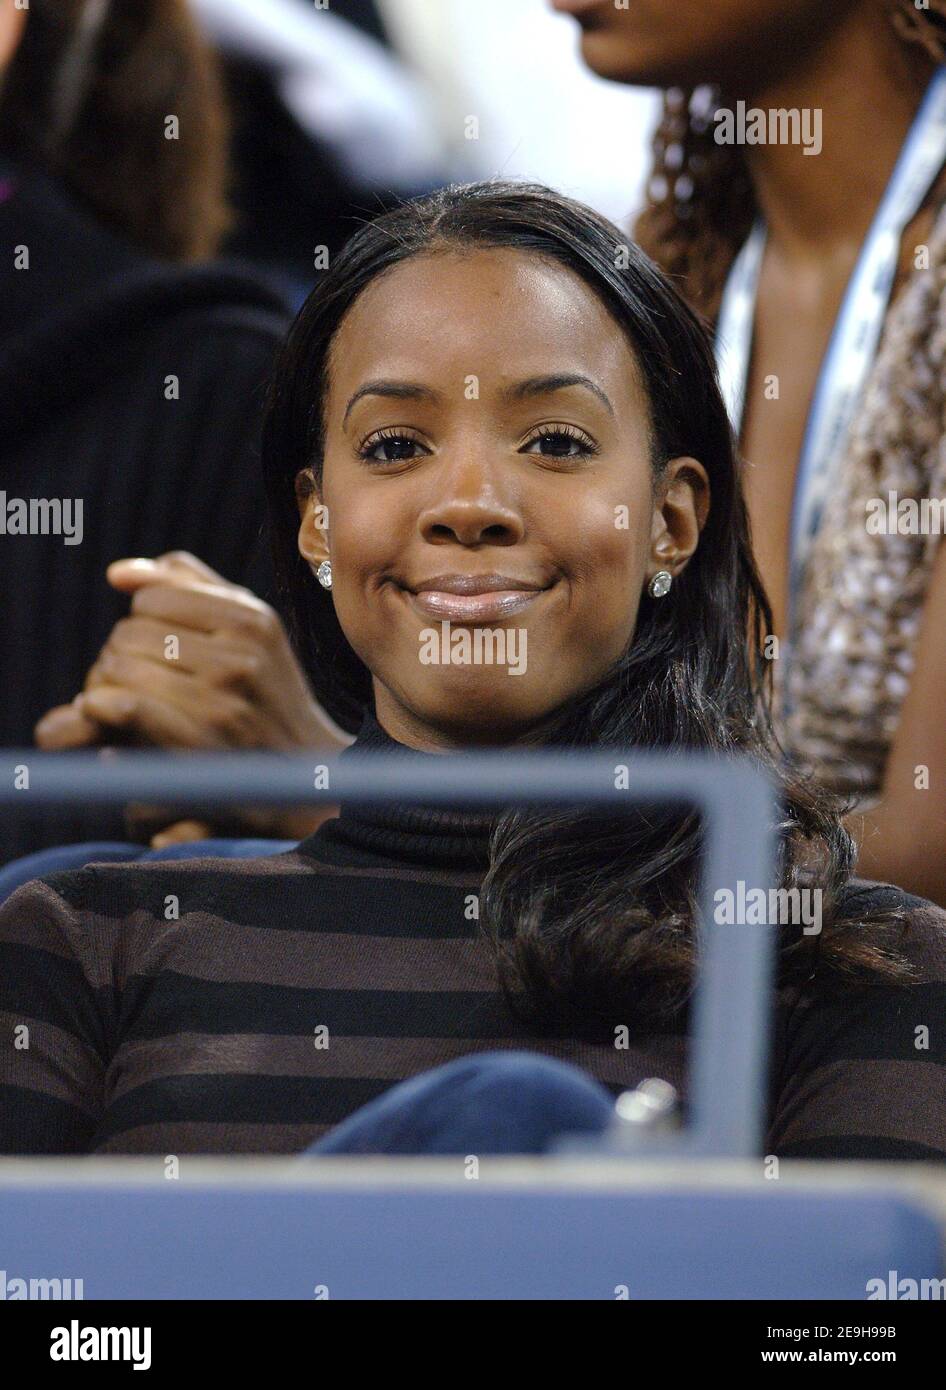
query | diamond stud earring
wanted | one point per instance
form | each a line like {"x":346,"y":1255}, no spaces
{"x":660,"y":584}
{"x":324,"y":574}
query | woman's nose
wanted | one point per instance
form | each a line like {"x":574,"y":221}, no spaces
{"x":471,"y":521}
{"x":469,"y":508}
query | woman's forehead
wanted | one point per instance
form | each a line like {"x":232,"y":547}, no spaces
{"x":497,"y":313}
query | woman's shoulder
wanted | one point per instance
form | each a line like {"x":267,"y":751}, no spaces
{"x":892,"y":969}
{"x":110,"y":891}
{"x":860,"y":1066}
{"x":93,"y":308}
{"x":919,"y":925}
{"x":79,"y":258}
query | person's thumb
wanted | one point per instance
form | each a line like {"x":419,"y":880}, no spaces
{"x":65,"y":726}
{"x":181,"y":832}
{"x":175,"y":567}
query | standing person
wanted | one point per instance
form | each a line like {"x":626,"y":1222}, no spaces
{"x":132,"y":366}
{"x":328,"y":124}
{"x":849,"y":251}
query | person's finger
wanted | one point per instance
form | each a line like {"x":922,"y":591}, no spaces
{"x":181,"y":832}
{"x":228,"y":719}
{"x":264,"y":674}
{"x":259,"y":668}
{"x":183,"y":560}
{"x":175,"y":567}
{"x":129,"y":575}
{"x":203,"y":608}
{"x":219,"y":659}
{"x":155,"y":720}
{"x":65,"y":726}
{"x":165,"y":681}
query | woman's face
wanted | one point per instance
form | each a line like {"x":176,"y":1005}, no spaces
{"x":739,"y":44}
{"x":488,"y":491}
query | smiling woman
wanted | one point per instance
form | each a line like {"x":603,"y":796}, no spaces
{"x":513,"y":475}
{"x":548,"y":421}
{"x":490,"y":411}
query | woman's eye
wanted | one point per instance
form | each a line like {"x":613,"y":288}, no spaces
{"x":396,"y":448}
{"x":566,"y":443}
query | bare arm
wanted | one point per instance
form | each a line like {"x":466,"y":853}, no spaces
{"x":903,"y":839}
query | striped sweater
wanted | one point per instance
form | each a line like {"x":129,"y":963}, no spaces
{"x":219,"y":1006}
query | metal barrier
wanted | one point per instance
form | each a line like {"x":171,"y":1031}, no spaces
{"x":732,"y":1006}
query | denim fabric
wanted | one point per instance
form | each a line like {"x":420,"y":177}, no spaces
{"x":485,"y":1103}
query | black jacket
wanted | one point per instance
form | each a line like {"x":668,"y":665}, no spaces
{"x":90,"y":333}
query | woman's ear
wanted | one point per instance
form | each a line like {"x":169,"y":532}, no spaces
{"x":313,"y":520}
{"x":680,"y":512}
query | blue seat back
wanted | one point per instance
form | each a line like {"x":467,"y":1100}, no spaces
{"x":453,"y":1239}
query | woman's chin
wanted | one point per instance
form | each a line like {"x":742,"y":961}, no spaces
{"x":610,"y":56}
{"x":480,"y":706}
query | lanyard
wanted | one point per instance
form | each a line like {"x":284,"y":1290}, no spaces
{"x":856,"y":332}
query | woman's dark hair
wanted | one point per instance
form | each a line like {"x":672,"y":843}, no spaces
{"x":592,"y":916}
{"x":699,"y":200}
{"x":89,"y":103}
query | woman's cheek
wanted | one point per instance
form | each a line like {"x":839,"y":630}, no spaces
{"x":610,"y":573}
{"x":610,"y":547}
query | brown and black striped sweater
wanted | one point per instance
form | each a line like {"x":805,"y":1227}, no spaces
{"x":221,"y":1006}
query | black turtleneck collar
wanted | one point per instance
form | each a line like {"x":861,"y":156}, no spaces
{"x":423,"y":835}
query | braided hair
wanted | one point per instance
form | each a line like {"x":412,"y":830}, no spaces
{"x":700,"y":203}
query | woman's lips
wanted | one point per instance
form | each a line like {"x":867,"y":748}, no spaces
{"x":473,"y":608}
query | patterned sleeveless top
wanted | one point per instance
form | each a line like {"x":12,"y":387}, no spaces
{"x":854,"y":632}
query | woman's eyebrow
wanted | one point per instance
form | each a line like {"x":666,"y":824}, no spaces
{"x":519,"y":390}
{"x":543,"y":385}
{"x":401,"y":390}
